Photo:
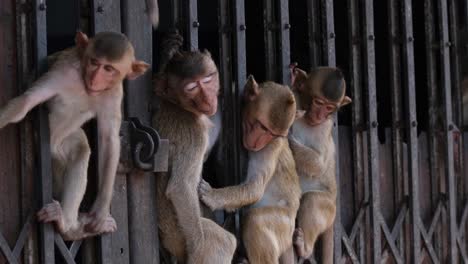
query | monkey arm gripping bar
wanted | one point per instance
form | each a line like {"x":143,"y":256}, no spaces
{"x":142,"y":148}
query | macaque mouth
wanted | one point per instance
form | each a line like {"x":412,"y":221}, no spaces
{"x":204,"y":108}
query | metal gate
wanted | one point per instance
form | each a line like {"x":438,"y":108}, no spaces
{"x":403,"y":149}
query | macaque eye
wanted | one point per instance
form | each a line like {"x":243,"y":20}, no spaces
{"x":109,"y":69}
{"x":207,"y":79}
{"x":262,"y":127}
{"x":318,"y":102}
{"x":330,"y":108}
{"x":190,"y":86}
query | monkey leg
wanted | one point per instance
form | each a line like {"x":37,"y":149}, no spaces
{"x":71,"y":159}
{"x":316,"y":214}
{"x":219,"y":245}
{"x":267,"y":234}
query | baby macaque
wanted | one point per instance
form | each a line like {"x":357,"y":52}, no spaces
{"x":84,"y":82}
{"x":188,"y":86}
{"x":320,"y":94}
{"x":271,"y":189}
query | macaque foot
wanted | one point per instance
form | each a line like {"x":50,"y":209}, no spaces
{"x":298,"y":241}
{"x":52,"y":212}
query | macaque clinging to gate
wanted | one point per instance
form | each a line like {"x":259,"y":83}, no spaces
{"x":320,"y":94}
{"x":271,"y":189}
{"x":84,"y":82}
{"x":188,"y":86}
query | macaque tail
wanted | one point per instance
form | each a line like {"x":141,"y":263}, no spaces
{"x":153,"y":12}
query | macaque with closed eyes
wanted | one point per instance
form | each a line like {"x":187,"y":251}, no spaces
{"x":271,"y":189}
{"x":320,"y":94}
{"x":187,"y":85}
{"x":84,"y":82}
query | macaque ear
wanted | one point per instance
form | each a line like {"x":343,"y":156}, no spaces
{"x":346,"y":100}
{"x":299,"y":114}
{"x":251,"y":89}
{"x":81,"y":40}
{"x":138,"y":68}
{"x":298,"y":78}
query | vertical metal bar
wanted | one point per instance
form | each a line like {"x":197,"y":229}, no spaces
{"x":433,"y":101}
{"x":46,"y":231}
{"x":455,"y":54}
{"x":330,"y":60}
{"x":448,"y":127}
{"x":361,"y":186}
{"x":269,"y":26}
{"x":372,"y":140}
{"x":228,"y":135}
{"x":284,"y":45}
{"x":455,"y":62}
{"x":328,"y":33}
{"x":228,"y":131}
{"x":313,"y":26}
{"x":240,"y":78}
{"x":411,"y":124}
{"x":142,"y":224}
{"x":104,"y":19}
{"x":193,"y":24}
{"x":396,"y":98}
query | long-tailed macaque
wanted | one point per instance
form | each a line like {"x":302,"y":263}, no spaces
{"x":271,"y":188}
{"x":188,"y":85}
{"x":84,"y":82}
{"x":320,"y":94}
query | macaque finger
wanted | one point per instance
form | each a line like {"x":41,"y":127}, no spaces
{"x":204,"y":187}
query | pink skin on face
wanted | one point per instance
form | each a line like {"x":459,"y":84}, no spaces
{"x":319,"y":111}
{"x":203,"y":92}
{"x":256,"y":135}
{"x":99,"y":75}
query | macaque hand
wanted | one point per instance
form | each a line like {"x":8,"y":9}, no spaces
{"x":101,"y":221}
{"x":207,"y":195}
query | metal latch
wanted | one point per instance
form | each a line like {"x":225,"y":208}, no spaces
{"x":142,"y":148}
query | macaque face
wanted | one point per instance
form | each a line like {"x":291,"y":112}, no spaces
{"x":100,"y":74}
{"x":320,"y":110}
{"x":199,"y":94}
{"x":257,"y":134}
{"x":321,"y":92}
{"x":268,"y":113}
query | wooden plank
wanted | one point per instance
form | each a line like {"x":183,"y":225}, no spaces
{"x":143,"y":235}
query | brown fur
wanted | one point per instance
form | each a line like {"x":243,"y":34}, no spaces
{"x":184,"y":233}
{"x":314,"y":152}
{"x":70,"y":105}
{"x":271,"y":189}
